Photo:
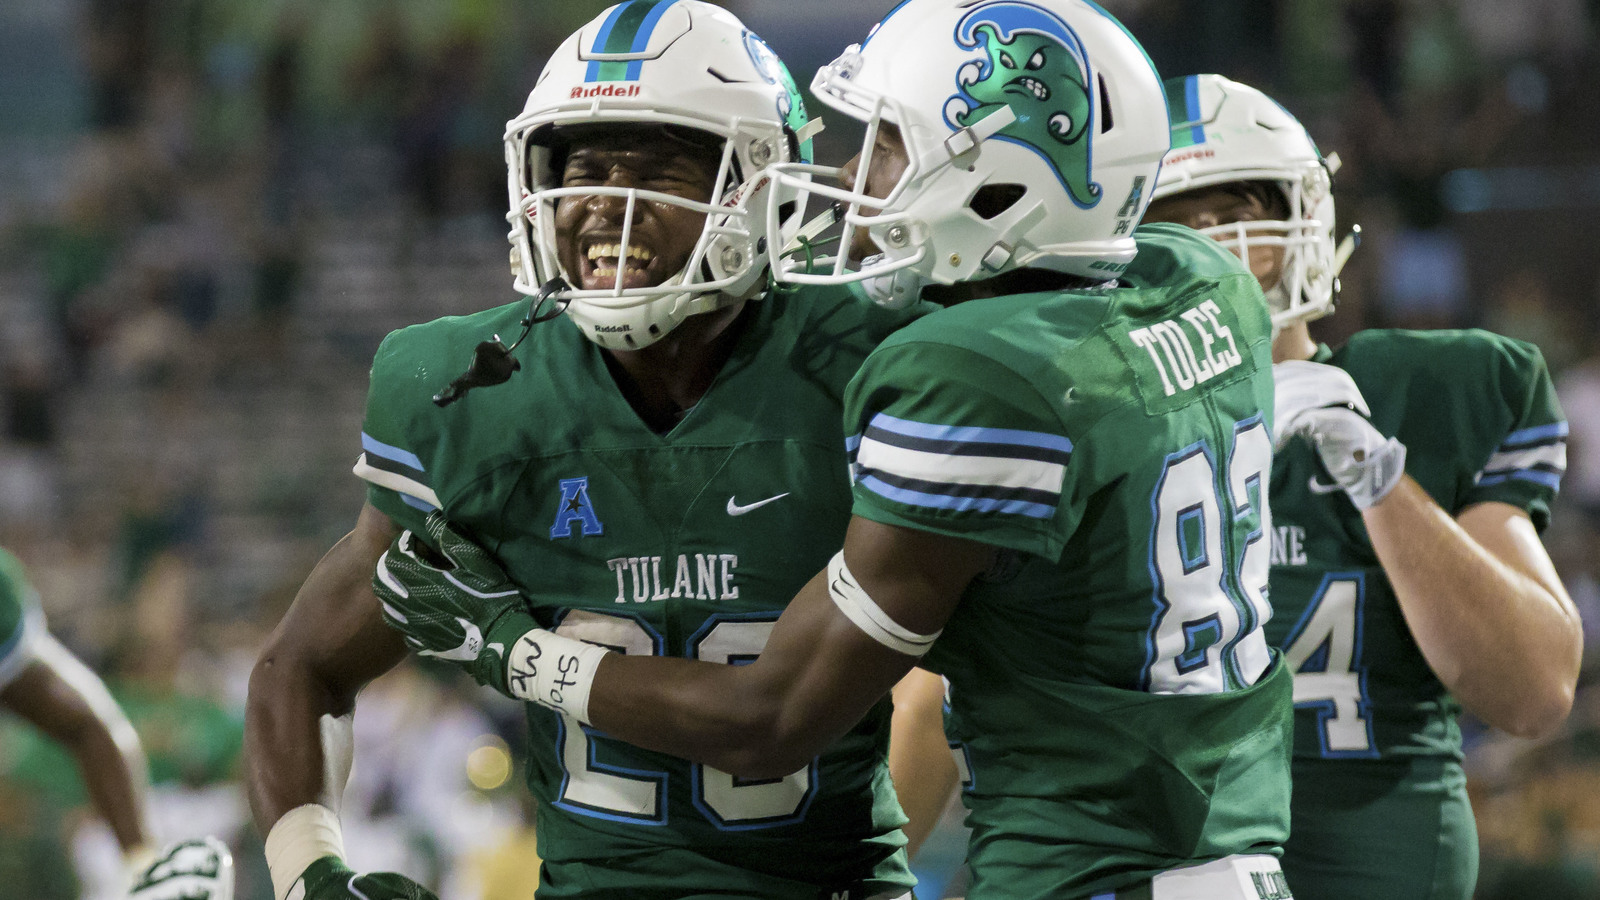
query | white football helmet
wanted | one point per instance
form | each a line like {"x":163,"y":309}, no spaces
{"x":680,"y":63}
{"x":1225,"y":132}
{"x":1034,"y":137}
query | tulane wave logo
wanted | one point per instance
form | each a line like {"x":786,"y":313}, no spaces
{"x":1034,"y":63}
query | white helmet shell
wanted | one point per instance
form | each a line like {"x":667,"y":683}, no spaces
{"x":1030,"y":137}
{"x":1225,"y":132}
{"x":680,"y":63}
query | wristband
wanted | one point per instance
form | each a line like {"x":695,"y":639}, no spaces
{"x":302,"y":836}
{"x":554,"y":671}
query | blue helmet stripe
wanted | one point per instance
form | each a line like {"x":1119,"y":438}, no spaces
{"x":1191,"y":108}
{"x":632,"y":22}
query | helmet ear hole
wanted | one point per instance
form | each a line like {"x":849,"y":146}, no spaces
{"x":993,"y":199}
{"x":1105,"y":106}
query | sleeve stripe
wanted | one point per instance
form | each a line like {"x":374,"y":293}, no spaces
{"x":938,"y":468}
{"x":1550,"y":457}
{"x":1537,"y":434}
{"x":1057,"y":447}
{"x":909,"y":497}
{"x":947,"y":489}
{"x":1551,"y":480}
{"x":394,"y":481}
{"x":393,"y":454}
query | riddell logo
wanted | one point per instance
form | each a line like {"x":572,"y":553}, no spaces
{"x":1192,"y":154}
{"x":612,"y":329}
{"x":605,"y":90}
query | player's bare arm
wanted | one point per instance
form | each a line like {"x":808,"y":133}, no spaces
{"x":297,"y":721}
{"x":328,"y":646}
{"x":820,"y":671}
{"x":1485,"y":605}
{"x":58,"y":694}
{"x":924,"y":772}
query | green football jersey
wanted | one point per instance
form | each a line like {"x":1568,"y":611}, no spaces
{"x":1119,"y":708}
{"x":21,"y":619}
{"x":686,"y":544}
{"x":1479,"y":418}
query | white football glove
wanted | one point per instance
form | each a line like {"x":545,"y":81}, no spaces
{"x":196,"y":869}
{"x":1323,"y":403}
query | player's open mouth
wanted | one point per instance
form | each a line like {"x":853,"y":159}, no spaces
{"x":1030,"y":85}
{"x":601,"y":259}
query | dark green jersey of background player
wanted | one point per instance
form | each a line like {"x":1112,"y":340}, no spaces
{"x":1119,"y":706}
{"x":1377,"y":744}
{"x":684,"y":544}
{"x":21,"y":618}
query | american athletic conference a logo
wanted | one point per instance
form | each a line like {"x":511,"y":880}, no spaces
{"x":1035,"y":63}
{"x":575,"y":516}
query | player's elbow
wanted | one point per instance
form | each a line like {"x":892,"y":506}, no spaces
{"x":768,"y":748}
{"x":1541,"y":711}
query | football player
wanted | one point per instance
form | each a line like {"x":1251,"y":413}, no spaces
{"x":1415,"y":474}
{"x":41,"y":681}
{"x":660,"y":474}
{"x":1059,"y":485}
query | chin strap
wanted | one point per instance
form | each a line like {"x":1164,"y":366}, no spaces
{"x":491,"y":360}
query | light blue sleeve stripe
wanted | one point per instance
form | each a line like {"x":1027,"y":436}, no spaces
{"x":851,"y":443}
{"x":416,"y":503}
{"x":379,"y":448}
{"x":1536,"y":433}
{"x":1550,"y":480}
{"x":971,"y":434}
{"x":956,"y":504}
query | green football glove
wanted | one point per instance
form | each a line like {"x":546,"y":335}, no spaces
{"x":456,"y":605}
{"x":330,"y":879}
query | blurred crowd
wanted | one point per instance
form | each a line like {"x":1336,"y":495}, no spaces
{"x":211,"y":211}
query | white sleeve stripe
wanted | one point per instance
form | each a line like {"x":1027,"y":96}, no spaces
{"x":395,"y":482}
{"x":1552,"y":456}
{"x":860,"y":609}
{"x":991,"y":471}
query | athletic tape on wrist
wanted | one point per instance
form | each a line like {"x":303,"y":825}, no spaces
{"x":859,"y":608}
{"x":302,"y":836}
{"x":554,"y":671}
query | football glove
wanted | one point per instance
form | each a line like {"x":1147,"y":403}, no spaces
{"x":455,"y":604}
{"x":1322,"y":403}
{"x":330,"y":879}
{"x":199,"y":869}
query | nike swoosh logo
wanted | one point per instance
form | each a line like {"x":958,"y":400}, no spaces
{"x":471,"y":645}
{"x":1320,"y":487}
{"x":734,"y":509}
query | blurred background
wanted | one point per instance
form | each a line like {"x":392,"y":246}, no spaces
{"x":211,"y":211}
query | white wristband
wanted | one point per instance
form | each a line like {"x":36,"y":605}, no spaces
{"x":302,"y":836}
{"x":554,"y":671}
